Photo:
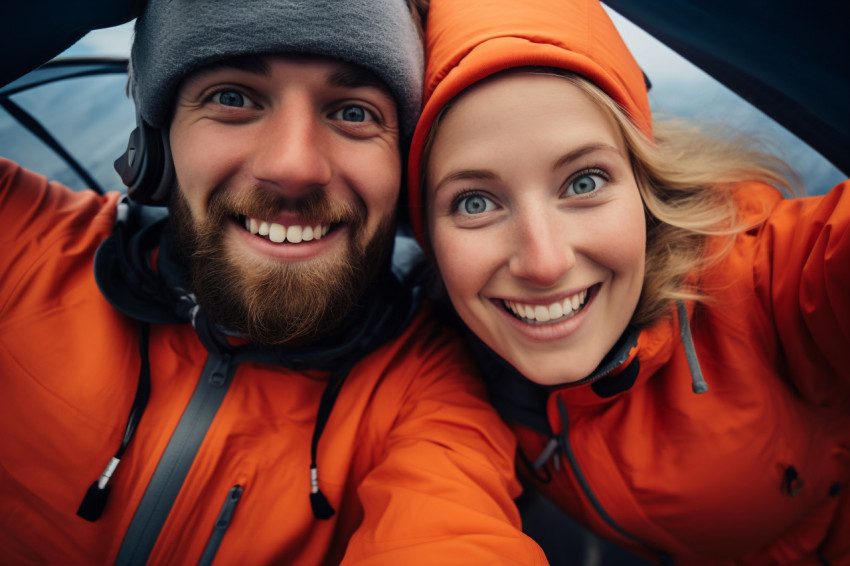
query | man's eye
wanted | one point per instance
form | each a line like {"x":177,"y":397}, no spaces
{"x":353,"y":114}
{"x":474,"y":204}
{"x":232,"y":98}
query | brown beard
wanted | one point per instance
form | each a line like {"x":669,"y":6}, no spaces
{"x":277,"y":302}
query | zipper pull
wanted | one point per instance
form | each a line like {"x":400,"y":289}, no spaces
{"x":221,"y":524}
{"x":218,"y":376}
{"x":226,"y":514}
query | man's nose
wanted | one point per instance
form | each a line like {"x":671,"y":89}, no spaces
{"x":541,"y":252}
{"x":293,"y":152}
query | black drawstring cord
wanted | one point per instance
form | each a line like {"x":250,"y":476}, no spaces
{"x":95,"y":499}
{"x":322,"y":508}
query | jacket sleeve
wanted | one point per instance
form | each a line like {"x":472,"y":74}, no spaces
{"x":39,"y":219}
{"x":442,"y":492}
{"x":802,"y":276}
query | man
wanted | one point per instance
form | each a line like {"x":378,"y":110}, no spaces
{"x":243,"y":381}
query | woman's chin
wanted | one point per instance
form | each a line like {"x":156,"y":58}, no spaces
{"x":553,"y":372}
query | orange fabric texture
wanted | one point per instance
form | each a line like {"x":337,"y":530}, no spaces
{"x":467,"y":41}
{"x":704,"y":478}
{"x":417,"y":465}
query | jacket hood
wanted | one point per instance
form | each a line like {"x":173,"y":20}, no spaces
{"x":469,"y":40}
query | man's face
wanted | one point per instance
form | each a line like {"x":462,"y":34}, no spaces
{"x":288,"y":171}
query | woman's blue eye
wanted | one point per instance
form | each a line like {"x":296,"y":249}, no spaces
{"x":230,"y":98}
{"x":475,"y":204}
{"x":585,"y":183}
{"x":353,"y":114}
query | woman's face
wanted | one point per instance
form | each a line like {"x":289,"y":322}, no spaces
{"x":536,"y":223}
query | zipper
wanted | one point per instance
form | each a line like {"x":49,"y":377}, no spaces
{"x":175,"y":462}
{"x":664,"y":558}
{"x":221,"y":524}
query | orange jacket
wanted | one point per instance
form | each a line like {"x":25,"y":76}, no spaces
{"x":756,"y":469}
{"x":416,"y":464}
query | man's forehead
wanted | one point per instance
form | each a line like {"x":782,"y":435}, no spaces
{"x":337,"y":73}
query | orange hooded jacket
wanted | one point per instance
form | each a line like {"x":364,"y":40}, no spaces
{"x":753,"y":471}
{"x":416,"y":465}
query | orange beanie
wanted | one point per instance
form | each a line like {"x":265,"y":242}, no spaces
{"x":469,"y":40}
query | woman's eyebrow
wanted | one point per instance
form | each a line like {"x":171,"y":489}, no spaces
{"x":473,"y":174}
{"x":580,"y":152}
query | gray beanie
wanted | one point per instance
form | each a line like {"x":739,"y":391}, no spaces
{"x":175,"y":37}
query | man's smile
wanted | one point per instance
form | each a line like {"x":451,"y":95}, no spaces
{"x":278,"y":233}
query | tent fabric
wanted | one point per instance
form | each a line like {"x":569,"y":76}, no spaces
{"x":57,"y":24}
{"x":790,"y":59}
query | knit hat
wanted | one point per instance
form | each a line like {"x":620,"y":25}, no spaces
{"x":469,"y":40}
{"x":175,"y":37}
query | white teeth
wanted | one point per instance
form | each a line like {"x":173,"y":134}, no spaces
{"x":278,"y":233}
{"x":539,"y":313}
{"x":293,"y":234}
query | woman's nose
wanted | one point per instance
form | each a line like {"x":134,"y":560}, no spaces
{"x":542,"y":253}
{"x":293,"y":150}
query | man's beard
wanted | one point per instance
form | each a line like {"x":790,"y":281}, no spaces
{"x":277,"y":302}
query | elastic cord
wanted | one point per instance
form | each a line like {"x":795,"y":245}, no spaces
{"x":95,"y":499}
{"x":322,"y":508}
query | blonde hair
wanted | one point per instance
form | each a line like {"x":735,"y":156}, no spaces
{"x":687,"y":177}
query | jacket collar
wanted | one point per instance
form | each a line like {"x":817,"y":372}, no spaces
{"x":636,"y":355}
{"x":522,"y":401}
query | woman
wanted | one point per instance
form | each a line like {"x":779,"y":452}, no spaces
{"x":666,"y":334}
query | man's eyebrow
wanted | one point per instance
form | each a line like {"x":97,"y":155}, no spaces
{"x":352,"y":77}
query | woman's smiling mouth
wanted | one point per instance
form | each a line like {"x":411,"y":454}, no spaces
{"x":548,"y":314}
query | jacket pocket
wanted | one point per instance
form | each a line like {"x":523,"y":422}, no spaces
{"x":221,"y":524}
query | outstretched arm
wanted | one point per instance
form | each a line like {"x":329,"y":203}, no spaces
{"x":442,"y":489}
{"x":802,"y":276}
